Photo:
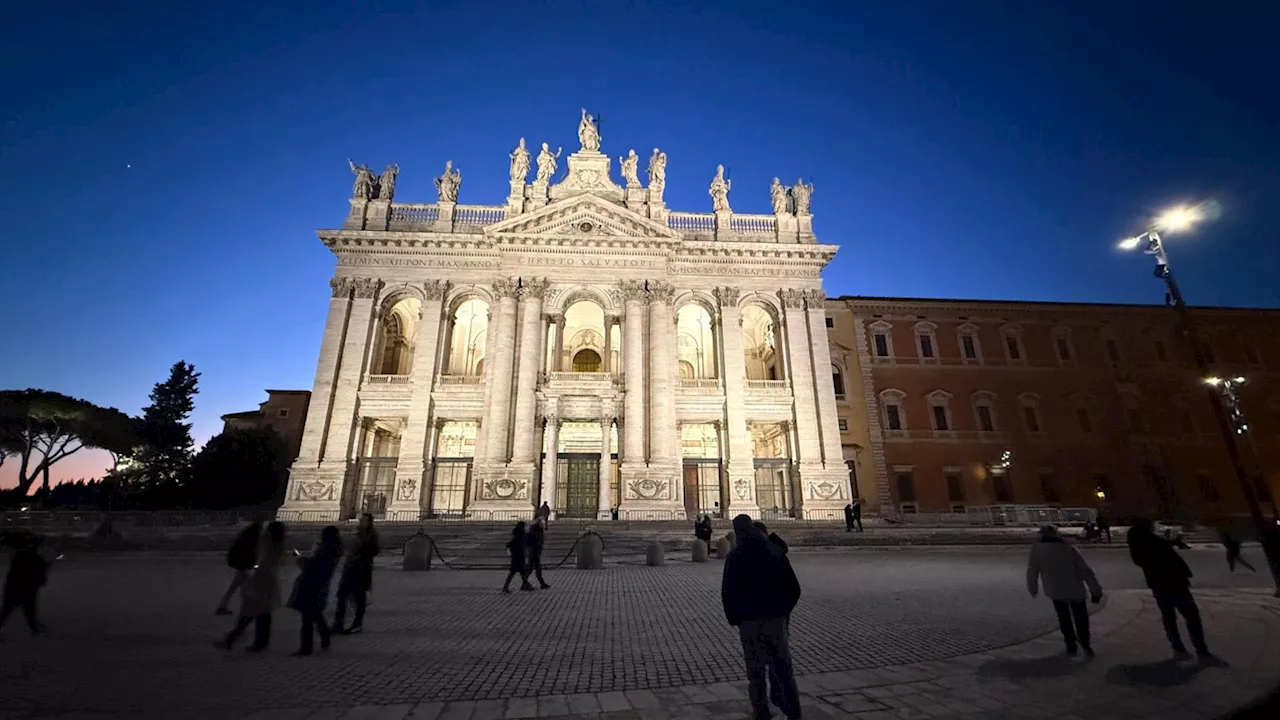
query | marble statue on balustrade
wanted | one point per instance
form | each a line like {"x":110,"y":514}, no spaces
{"x":781,"y":200}
{"x":800,"y":195}
{"x":385,"y":189}
{"x":657,"y":171}
{"x":719,"y":191}
{"x":546,"y":164}
{"x":363,"y":187}
{"x":588,"y":133}
{"x":630,"y":166}
{"x":447,"y":184}
{"x":519,"y":163}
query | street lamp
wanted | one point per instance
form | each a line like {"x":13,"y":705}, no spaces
{"x":1221,"y":392}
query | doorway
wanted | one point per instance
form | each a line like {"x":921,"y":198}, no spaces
{"x":578,"y":494}
{"x":702,"y":492}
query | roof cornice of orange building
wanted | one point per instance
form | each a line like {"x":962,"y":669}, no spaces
{"x":892,"y":304}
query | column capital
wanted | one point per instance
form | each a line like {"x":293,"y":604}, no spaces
{"x":533,"y":288}
{"x":555,"y":319}
{"x":792,"y":299}
{"x":611,"y":320}
{"x":815,"y":299}
{"x":505,"y":288}
{"x":342,"y":286}
{"x":726,"y":296}
{"x":435,"y":289}
{"x":661,"y":292}
{"x":632,"y":291}
{"x":440,"y":423}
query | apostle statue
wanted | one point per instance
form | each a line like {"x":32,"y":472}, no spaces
{"x":719,"y":191}
{"x":630,"y":166}
{"x":657,"y":171}
{"x":800,"y":195}
{"x":519,"y":163}
{"x":546,"y":164}
{"x":588,"y":133}
{"x":447,"y":184}
{"x":386,"y":187}
{"x":778,"y":194}
{"x":363,"y":187}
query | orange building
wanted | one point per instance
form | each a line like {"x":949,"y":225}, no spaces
{"x":946,"y":404}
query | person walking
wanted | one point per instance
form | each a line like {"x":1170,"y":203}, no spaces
{"x":857,"y":513}
{"x":848,"y":516}
{"x":241,"y":558}
{"x":1104,"y":526}
{"x":28,"y":572}
{"x":1065,"y":575}
{"x":518,"y":546}
{"x":537,"y":538}
{"x":311,"y":589}
{"x":702,"y":529}
{"x":260,"y":592}
{"x":759,"y":590}
{"x":1169,"y":578}
{"x":1233,"y":552}
{"x":544,"y":512}
{"x":357,"y":577}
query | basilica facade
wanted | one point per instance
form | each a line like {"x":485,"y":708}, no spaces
{"x":581,"y":345}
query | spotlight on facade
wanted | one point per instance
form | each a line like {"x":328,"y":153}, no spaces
{"x":1130,"y":243}
{"x":1215,"y":381}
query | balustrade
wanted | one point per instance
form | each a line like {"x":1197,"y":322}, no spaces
{"x":388,"y":379}
{"x":691,"y":221}
{"x":770,"y":385}
{"x":599,"y":377}
{"x":754,"y":224}
{"x":700,"y":383}
{"x":459,"y":379}
{"x":478,"y":214}
{"x":413,"y":216}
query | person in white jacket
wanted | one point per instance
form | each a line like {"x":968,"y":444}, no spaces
{"x":1065,"y":575}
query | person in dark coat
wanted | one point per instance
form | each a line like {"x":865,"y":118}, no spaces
{"x":777,"y":542}
{"x":311,"y":590}
{"x":537,"y":538}
{"x":260,"y":591}
{"x":357,"y":577}
{"x":1233,"y":552}
{"x":241,"y":558}
{"x":1104,"y":526}
{"x":759,"y":590}
{"x":518,"y":546}
{"x":1169,"y":578}
{"x":857,"y":513}
{"x":544,"y":511}
{"x":28,"y":572}
{"x":848,"y":517}
{"x":702,"y":529}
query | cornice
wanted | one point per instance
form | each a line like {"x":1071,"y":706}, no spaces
{"x":1004,"y":309}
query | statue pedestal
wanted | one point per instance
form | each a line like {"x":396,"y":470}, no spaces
{"x":806,"y":228}
{"x":636,"y":198}
{"x":724,"y":222}
{"x":588,"y":172}
{"x":515,"y":201}
{"x":355,"y":219}
{"x":444,"y":223}
{"x":378,"y":215}
{"x":788,"y":228}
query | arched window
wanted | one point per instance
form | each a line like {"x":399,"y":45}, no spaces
{"x":467,"y":336}
{"x":760,"y":344}
{"x":1029,"y":406}
{"x":984,"y":411}
{"x":927,"y":341}
{"x":393,"y":352}
{"x":893,"y":411}
{"x":695,"y":342}
{"x":583,"y":332}
{"x":940,"y":411}
{"x":586,"y":360}
{"x":881,"y":340}
{"x":837,"y":381}
{"x":970,"y":348}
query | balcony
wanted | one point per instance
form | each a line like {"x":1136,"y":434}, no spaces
{"x":453,"y":380}
{"x":382,"y":389}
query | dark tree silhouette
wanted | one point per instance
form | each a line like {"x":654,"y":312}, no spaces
{"x":238,"y":468}
{"x":164,"y":457}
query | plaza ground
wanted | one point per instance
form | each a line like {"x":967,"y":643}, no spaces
{"x":131,"y":638}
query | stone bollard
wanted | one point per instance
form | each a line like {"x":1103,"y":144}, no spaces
{"x":654,"y":554}
{"x":700,"y":552}
{"x":590,"y":549}
{"x":417,"y":553}
{"x":723,"y":546}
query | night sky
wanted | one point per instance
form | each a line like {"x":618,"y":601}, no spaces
{"x":163,"y":167}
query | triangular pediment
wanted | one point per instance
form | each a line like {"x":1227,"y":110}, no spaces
{"x":583,"y":216}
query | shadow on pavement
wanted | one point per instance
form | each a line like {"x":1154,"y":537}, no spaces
{"x":1056,"y":665}
{"x":1165,"y":673}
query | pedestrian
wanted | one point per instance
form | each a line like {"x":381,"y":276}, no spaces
{"x":241,"y":558}
{"x":537,"y":538}
{"x":260,"y":592}
{"x":1233,"y":552}
{"x":1169,"y":578}
{"x":28,"y":572}
{"x":848,"y":516}
{"x":1065,"y":575}
{"x":518,"y":546}
{"x":544,"y":511}
{"x":759,"y":590}
{"x":1104,"y":526}
{"x":311,"y":589}
{"x":702,"y":529}
{"x":357,"y":577}
{"x":773,"y":537}
{"x":857,"y":513}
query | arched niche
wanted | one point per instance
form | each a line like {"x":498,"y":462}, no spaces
{"x":761,"y":347}
{"x":695,"y":342}
{"x":468,"y":336}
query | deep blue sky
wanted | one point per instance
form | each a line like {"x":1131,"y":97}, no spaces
{"x":163,"y":166}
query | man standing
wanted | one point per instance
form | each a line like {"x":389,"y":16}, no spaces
{"x":1065,"y":574}
{"x":544,"y":512}
{"x":848,"y":517}
{"x":857,"y":513}
{"x":759,"y":590}
{"x":1169,"y":578}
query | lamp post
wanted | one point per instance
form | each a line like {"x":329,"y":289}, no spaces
{"x":1176,"y":220}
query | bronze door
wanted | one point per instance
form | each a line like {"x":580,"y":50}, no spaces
{"x":580,"y":489}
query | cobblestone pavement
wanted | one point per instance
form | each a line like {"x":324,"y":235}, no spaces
{"x":131,"y":639}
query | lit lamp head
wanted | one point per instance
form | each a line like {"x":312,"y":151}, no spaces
{"x":1178,"y":219}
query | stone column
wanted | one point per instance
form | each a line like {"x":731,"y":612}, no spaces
{"x":740,"y":462}
{"x":828,"y":421}
{"x":801,"y":375}
{"x":551,"y":464}
{"x":433,"y":442}
{"x":411,"y":465}
{"x":500,"y":355}
{"x":606,"y":469}
{"x":480,"y":462}
{"x":609,"y":322}
{"x":531,"y":334}
{"x":662,"y":370}
{"x":557,"y":362}
{"x":633,"y":441}
{"x":317,"y":422}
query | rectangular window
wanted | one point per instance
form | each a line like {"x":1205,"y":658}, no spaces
{"x":1064,"y":350}
{"x":906,"y":487}
{"x":970,"y":347}
{"x":1032,"y":418}
{"x":985,"y":423}
{"x":957,"y":508}
{"x":283,"y":412}
{"x":1113,"y":351}
{"x":831,"y":322}
{"x":1161,"y":354}
{"x":882,"y":345}
{"x":926,"y":346}
{"x":1048,"y":487}
{"x":853,"y":478}
{"x":837,"y":383}
{"x":1015,"y":351}
{"x":1086,"y":423}
{"x":844,"y":425}
{"x":1207,"y":488}
{"x":940,"y":418}
{"x":893,"y":415}
{"x":909,"y":508}
{"x":1134,"y":416}
{"x":955,"y":487}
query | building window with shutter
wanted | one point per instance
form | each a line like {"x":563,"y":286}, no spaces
{"x":906,"y":486}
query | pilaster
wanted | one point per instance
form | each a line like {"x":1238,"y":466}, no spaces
{"x":740,"y":465}
{"x":411,"y":465}
{"x":633,"y":427}
{"x":605,"y":507}
{"x":530,"y":356}
{"x":800,"y":368}
{"x":551,"y":463}
{"x":501,"y":356}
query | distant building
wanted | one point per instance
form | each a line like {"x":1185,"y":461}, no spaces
{"x":284,"y":411}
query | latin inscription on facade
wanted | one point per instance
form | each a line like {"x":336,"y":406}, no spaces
{"x":449,"y":263}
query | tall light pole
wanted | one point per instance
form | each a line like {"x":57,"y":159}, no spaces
{"x":1176,"y":220}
